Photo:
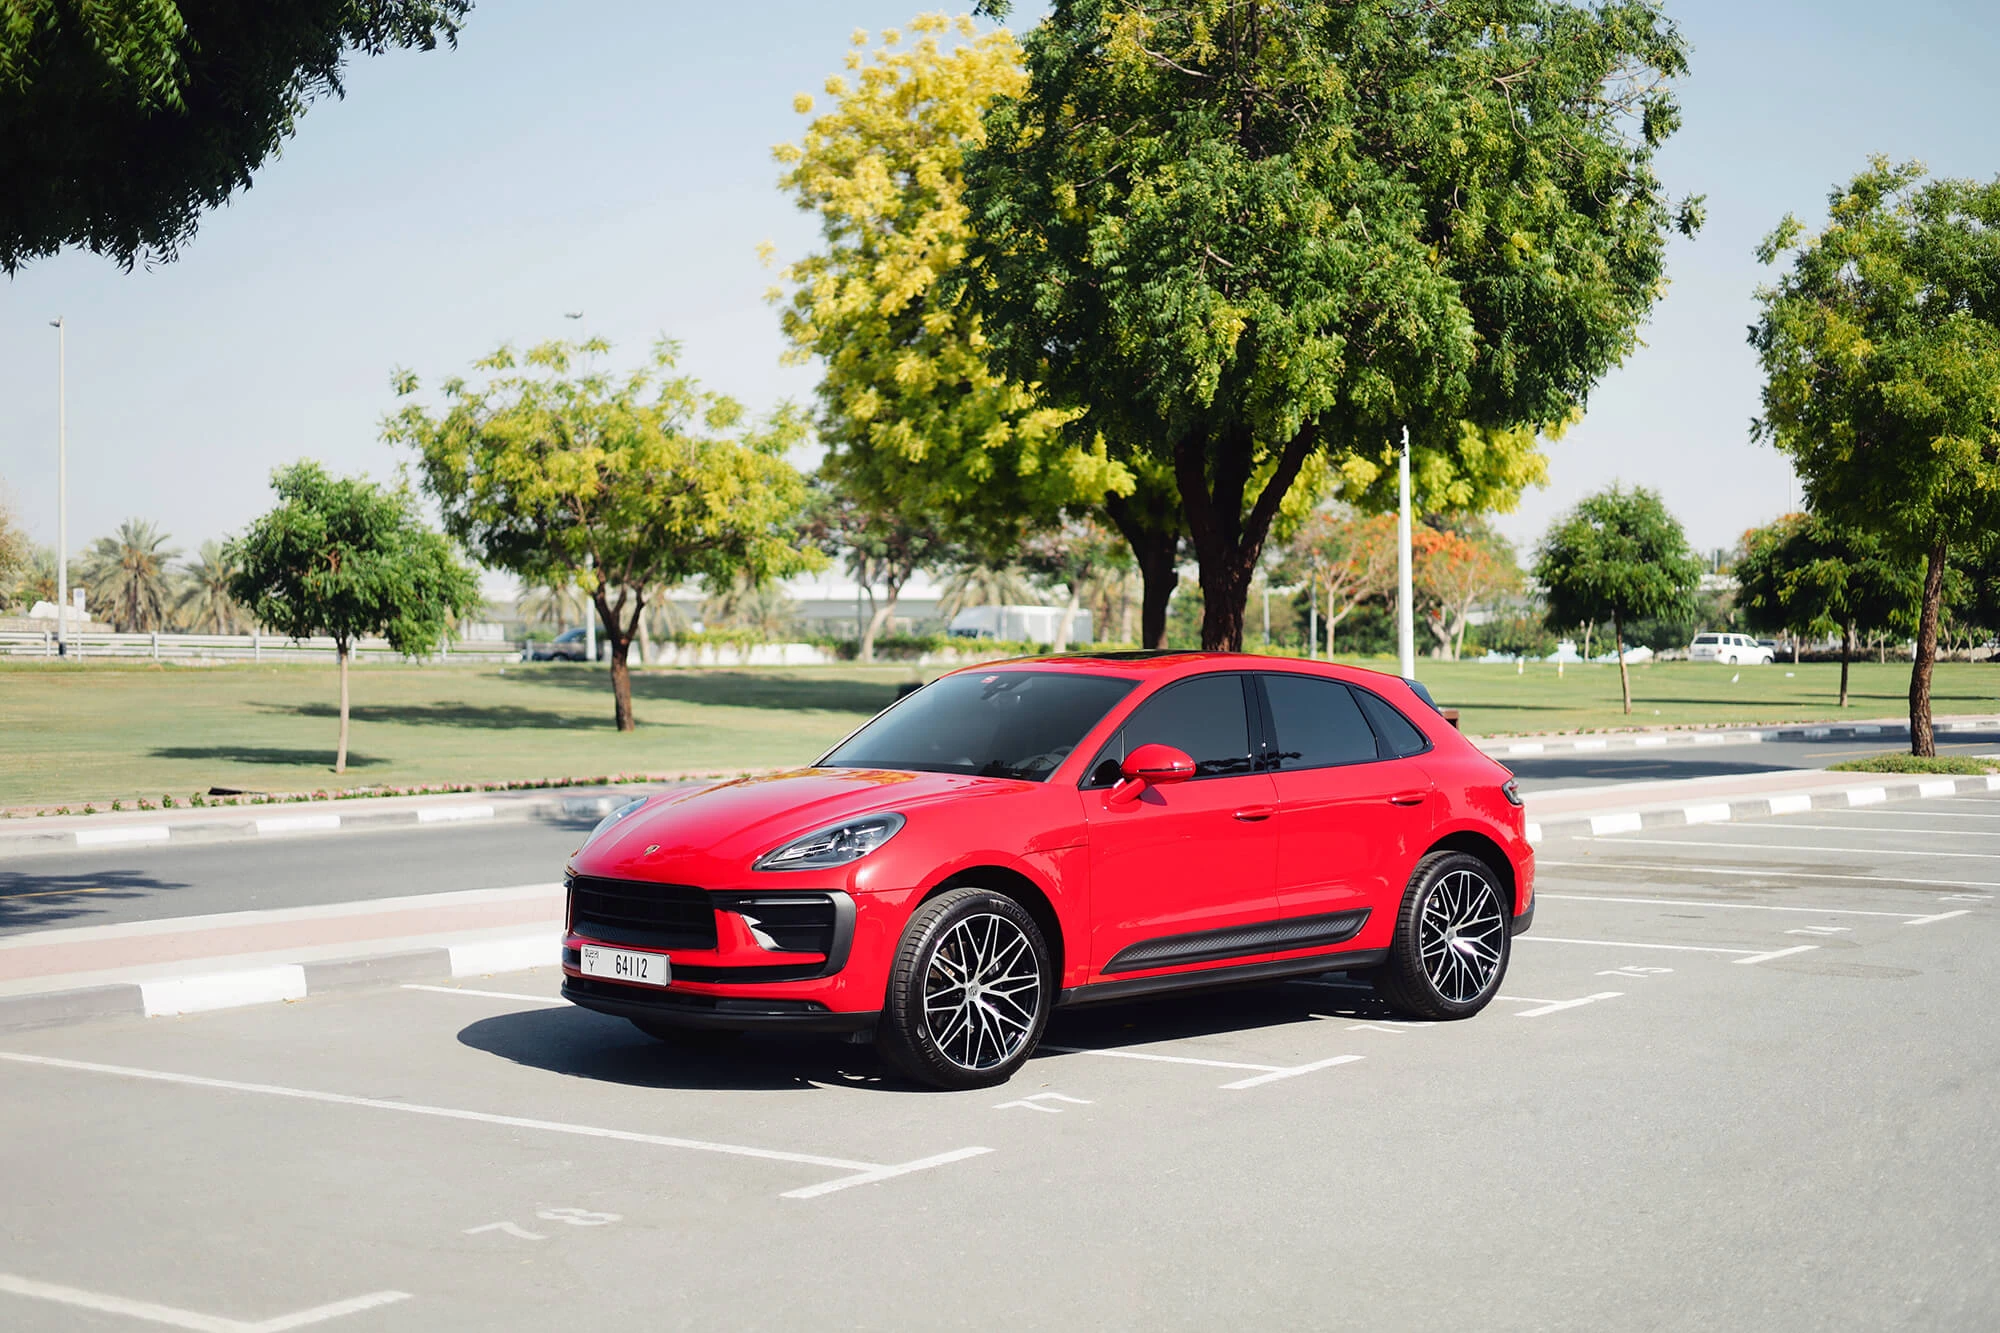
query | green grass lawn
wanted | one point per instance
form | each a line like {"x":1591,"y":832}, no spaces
{"x":99,"y":731}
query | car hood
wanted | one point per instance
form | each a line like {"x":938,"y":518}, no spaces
{"x":718,"y":831}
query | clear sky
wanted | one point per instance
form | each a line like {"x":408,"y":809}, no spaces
{"x":614,"y":158}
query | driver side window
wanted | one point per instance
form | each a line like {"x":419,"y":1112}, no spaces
{"x":1204,"y":717}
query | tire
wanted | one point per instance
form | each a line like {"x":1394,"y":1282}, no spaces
{"x":969,"y":993}
{"x":1451,"y":947}
{"x":1729,"y":662}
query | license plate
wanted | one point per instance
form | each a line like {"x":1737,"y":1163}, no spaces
{"x":646,"y":969}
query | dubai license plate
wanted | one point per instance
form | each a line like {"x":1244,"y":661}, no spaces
{"x":646,"y":969}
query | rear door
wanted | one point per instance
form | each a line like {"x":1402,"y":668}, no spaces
{"x":1188,"y":858}
{"x":1355,"y":804}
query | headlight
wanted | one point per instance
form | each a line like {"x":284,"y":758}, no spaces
{"x":613,"y":818}
{"x":833,"y":846}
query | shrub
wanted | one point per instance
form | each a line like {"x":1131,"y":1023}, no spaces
{"x":1960,"y":764}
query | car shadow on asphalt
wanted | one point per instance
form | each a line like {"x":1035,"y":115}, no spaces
{"x":35,"y":902}
{"x":579,"y":1044}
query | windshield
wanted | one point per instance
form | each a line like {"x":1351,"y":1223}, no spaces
{"x":996,"y":724}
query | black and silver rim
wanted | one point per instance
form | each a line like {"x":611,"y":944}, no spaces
{"x":982,"y":991}
{"x":1461,"y":934}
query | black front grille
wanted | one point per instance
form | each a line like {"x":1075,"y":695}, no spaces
{"x":662,"y":916}
{"x":799,"y":923}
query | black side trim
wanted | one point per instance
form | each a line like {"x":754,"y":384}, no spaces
{"x":709,"y":1011}
{"x":1205,"y":946}
{"x":1523,"y":921}
{"x":1243,"y":974}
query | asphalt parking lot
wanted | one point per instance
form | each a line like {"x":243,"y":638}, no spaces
{"x":1740,"y":1075}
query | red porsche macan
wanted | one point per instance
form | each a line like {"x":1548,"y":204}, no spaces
{"x":1017,"y":837}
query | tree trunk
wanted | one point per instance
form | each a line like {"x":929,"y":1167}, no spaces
{"x":1795,"y":650}
{"x":1618,"y":647}
{"x":1068,"y":619}
{"x":619,"y":629}
{"x":1846,"y":653}
{"x":1922,"y":742}
{"x":1227,"y":539}
{"x":1151,"y":526}
{"x":340,"y":754}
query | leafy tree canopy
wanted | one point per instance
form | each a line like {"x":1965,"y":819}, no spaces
{"x":122,"y":120}
{"x":1881,"y":355}
{"x":618,"y":483}
{"x":1248,"y":231}
{"x":913,"y":419}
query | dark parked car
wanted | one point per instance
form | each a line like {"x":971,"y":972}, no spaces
{"x":567,"y":646}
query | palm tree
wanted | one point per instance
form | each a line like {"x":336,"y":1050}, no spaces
{"x":205,"y":605}
{"x":983,"y":585}
{"x":555,"y":604}
{"x":127,"y":577}
{"x":745,"y":604}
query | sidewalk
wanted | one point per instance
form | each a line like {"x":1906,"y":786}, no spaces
{"x":1626,"y":807}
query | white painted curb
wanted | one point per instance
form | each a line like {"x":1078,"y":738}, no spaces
{"x":276,"y":824}
{"x":223,"y":990}
{"x":445,"y":814}
{"x":99,"y":837}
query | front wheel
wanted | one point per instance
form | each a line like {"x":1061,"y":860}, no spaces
{"x":969,"y":993}
{"x":1451,"y":946}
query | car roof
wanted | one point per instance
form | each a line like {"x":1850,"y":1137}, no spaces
{"x":1172,"y":663}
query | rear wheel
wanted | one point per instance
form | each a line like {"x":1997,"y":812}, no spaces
{"x":969,"y":993}
{"x":1451,"y":946}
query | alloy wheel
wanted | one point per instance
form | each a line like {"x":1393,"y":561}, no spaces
{"x":1462,"y":932}
{"x":981,"y":991}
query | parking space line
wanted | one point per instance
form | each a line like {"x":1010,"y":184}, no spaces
{"x":1766,"y":874}
{"x":454,"y":1113}
{"x":549,"y":1000}
{"x":1696,"y":902}
{"x":1557,"y":1006}
{"x":1775,"y":953}
{"x":1293,"y":1072}
{"x":1161,"y":1059}
{"x":1883,"y":828}
{"x":1795,"y":847}
{"x":1929,"y":814}
{"x":154,"y":1313}
{"x":1629,"y":944}
{"x":875,"y":1175}
{"x":1941,"y":916}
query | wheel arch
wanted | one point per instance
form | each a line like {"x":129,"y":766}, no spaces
{"x":1023,"y":890}
{"x":1492,"y":853}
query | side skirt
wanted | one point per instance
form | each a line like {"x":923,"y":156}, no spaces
{"x":1210,"y":946}
{"x":1242,"y":974}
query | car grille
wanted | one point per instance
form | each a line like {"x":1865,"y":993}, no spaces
{"x":661,"y":916}
{"x":797,"y":924}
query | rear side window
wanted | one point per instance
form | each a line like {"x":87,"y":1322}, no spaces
{"x":1317,"y":722}
{"x":1204,"y":718}
{"x":1705,"y":638}
{"x":1400,"y":736}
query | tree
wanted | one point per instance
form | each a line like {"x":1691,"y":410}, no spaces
{"x":1618,"y":556}
{"x":1352,"y":555}
{"x":1807,"y":575}
{"x":121,"y":122}
{"x":343,"y":557}
{"x":620,"y":485}
{"x":919,"y":430}
{"x":16,"y":555}
{"x":1881,"y":355}
{"x":1453,"y":574}
{"x":128,"y":576}
{"x":875,"y":546}
{"x":205,"y":604}
{"x":1243,"y":233}
{"x":1072,"y":561}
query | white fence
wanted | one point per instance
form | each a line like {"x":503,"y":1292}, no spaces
{"x":234,"y":648}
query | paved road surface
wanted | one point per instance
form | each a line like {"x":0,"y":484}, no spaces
{"x":1739,"y":1077}
{"x":1547,"y":772}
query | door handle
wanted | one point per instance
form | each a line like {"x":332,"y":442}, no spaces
{"x":1409,"y":798}
{"x":1250,"y":814}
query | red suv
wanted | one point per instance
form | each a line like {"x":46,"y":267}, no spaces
{"x":1017,"y":837}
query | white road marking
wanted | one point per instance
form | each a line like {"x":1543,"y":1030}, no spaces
{"x":1866,"y":829}
{"x":1933,"y":814}
{"x":1628,"y":944}
{"x":1773,"y":873}
{"x":1525,"y":999}
{"x":1626,"y":823}
{"x":272,"y":825}
{"x":1706,"y":814}
{"x":1377,"y":1027}
{"x":1738,"y":907}
{"x":1800,"y":847}
{"x":1159,"y":1059}
{"x":153,"y":1313}
{"x":223,"y":990}
{"x":1557,"y":1006}
{"x":488,"y":994}
{"x":1775,"y":953}
{"x":103,"y":837}
{"x":1821,"y":930}
{"x":1033,"y":1102}
{"x":1293,"y":1072}
{"x":1941,"y":916}
{"x":516,"y":953}
{"x":876,"y":1175}
{"x":506,"y":1228}
{"x":444,"y":814}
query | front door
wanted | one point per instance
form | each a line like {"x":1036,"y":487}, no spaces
{"x":1355,"y":806}
{"x":1186,"y":858}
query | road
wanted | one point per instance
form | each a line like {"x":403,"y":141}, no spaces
{"x":1553,"y":771}
{"x":1739,"y":1076}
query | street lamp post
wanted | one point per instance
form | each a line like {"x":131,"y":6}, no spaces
{"x":62,"y":489}
{"x":1406,"y":620}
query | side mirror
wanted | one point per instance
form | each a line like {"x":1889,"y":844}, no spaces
{"x":1151,"y":765}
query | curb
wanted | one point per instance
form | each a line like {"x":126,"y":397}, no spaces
{"x":202,"y":992}
{"x":1760,"y":807}
{"x":1757,"y":736}
{"x":250,"y":828}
